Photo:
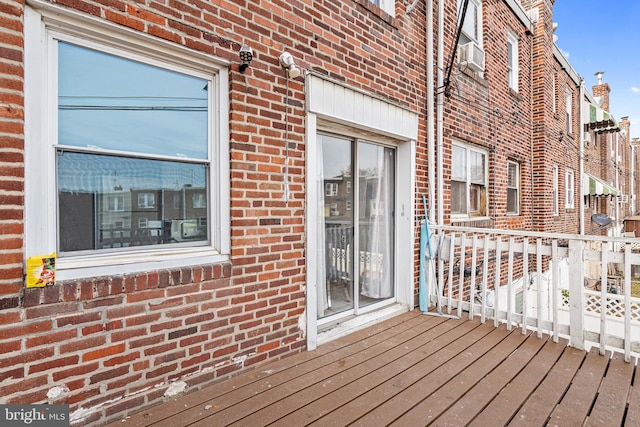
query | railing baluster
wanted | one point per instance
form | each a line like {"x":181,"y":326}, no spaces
{"x":485,"y":279}
{"x":496,"y":286}
{"x":463,"y":260}
{"x":627,"y":302}
{"x":525,"y":282}
{"x":510,"y":284}
{"x":604,"y":302}
{"x":555,"y":272}
{"x":539,"y":287}
{"x":472,"y":290}
{"x":452,"y":258}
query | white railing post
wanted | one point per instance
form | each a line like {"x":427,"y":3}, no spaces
{"x":576,"y":293}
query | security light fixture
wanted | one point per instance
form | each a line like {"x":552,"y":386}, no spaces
{"x":286,"y":60}
{"x":246,"y":55}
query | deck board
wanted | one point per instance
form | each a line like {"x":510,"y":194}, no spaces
{"x":418,"y":370}
{"x":540,"y":404}
{"x":574,"y":407}
{"x":611,"y":401}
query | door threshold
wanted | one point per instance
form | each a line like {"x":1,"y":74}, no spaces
{"x":346,"y":326}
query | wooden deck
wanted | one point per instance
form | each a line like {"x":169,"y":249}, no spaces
{"x":416,"y":370}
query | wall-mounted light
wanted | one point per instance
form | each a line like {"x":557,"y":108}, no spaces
{"x":246,"y":55}
{"x":286,"y":60}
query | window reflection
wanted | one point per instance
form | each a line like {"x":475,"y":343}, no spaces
{"x":113,"y":103}
{"x":115,"y":202}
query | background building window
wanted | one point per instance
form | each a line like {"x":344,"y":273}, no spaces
{"x":331,"y":189}
{"x":468,"y":181}
{"x":555,"y":192}
{"x":569,"y":107}
{"x":472,"y":26}
{"x":569,"y":189}
{"x":513,"y":188}
{"x":512,"y":66}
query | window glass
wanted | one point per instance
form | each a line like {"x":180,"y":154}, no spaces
{"x":111,"y":103}
{"x":472,"y":21}
{"x":513,"y":184}
{"x":95,"y":191}
{"x":133,"y":147}
{"x":512,"y":61}
{"x":468,"y":181}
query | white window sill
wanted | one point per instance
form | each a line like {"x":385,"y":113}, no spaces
{"x":125,"y":263}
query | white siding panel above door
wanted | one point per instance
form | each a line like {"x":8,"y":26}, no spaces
{"x":332,"y":100}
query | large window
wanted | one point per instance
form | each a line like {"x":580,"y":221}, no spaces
{"x":472,"y":26}
{"x":512,"y":61}
{"x":135,"y":132}
{"x":513,"y":188}
{"x":468,"y":181}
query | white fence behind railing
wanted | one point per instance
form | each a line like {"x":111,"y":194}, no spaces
{"x":538,"y":281}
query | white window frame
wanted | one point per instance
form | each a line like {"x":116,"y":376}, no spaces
{"x":474,"y":6}
{"x":517,"y":187}
{"x":388,"y":6}
{"x":483,"y":209}
{"x":44,"y":23}
{"x":331,"y":189}
{"x":554,"y":90}
{"x":118,"y":205}
{"x":199,"y":200}
{"x":570,"y":185}
{"x":146,"y":200}
{"x":556,"y":192}
{"x":513,"y":66}
{"x":569,"y":108}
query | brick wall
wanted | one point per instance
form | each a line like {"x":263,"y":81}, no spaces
{"x":484,"y":112}
{"x":111,"y":345}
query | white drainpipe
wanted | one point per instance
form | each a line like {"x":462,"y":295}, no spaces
{"x":440,"y":112}
{"x":431,"y":165}
{"x":581,"y":167}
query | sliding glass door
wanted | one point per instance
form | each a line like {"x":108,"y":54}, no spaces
{"x":356,"y":191}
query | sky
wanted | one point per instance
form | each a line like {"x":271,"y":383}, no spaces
{"x":597,"y":35}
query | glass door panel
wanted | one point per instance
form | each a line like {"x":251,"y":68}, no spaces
{"x":349,"y":278}
{"x":335,"y":231}
{"x":376,"y":196}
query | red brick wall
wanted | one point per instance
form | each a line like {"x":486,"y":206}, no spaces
{"x":115,"y":343}
{"x":11,"y":157}
{"x":484,"y":112}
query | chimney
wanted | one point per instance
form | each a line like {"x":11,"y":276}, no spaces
{"x":601,"y":91}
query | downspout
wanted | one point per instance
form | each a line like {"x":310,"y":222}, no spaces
{"x":616,"y":170}
{"x":430,"y":114}
{"x":440,"y":112}
{"x":581,"y":155}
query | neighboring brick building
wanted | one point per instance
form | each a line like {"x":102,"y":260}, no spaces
{"x":210,"y":213}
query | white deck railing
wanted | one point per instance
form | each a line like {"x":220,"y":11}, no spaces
{"x":545,"y":282}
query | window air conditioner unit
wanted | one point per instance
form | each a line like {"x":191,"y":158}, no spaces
{"x":472,"y":55}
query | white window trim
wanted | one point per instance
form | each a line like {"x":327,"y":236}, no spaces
{"x":556,"y":193}
{"x":569,"y":108}
{"x":40,"y":177}
{"x":466,"y":216}
{"x":478,"y":4}
{"x":569,"y":192}
{"x":514,"y":68}
{"x":517,"y":188}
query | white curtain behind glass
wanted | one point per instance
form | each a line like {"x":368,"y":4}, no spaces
{"x":376,"y":255}
{"x":321,"y":270}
